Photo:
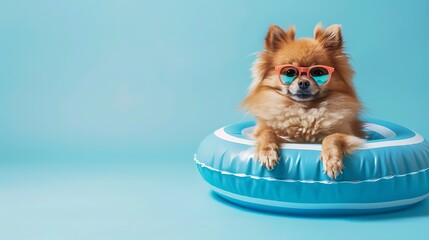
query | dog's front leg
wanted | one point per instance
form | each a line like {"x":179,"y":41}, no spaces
{"x":267,"y":146}
{"x":334,"y":147}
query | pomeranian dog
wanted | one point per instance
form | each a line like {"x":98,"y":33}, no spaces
{"x":302,"y":91}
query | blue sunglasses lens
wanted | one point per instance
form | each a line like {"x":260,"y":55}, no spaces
{"x":288,"y":74}
{"x":320,"y":75}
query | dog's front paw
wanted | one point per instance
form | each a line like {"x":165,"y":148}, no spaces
{"x":332,"y":162}
{"x":268,"y":156}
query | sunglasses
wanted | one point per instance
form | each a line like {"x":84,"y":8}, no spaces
{"x":321,"y":74}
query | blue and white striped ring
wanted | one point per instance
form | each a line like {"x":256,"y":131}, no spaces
{"x":390,"y":171}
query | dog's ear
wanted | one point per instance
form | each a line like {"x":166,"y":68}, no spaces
{"x":331,"y":38}
{"x":277,"y":36}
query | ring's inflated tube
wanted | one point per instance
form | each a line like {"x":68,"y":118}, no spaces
{"x":391,"y":171}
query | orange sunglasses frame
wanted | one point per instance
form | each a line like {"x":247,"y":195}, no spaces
{"x":303,"y":70}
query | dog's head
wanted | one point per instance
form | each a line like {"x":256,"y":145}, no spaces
{"x":282,"y":49}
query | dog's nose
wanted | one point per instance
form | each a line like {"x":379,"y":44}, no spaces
{"x":303,"y":84}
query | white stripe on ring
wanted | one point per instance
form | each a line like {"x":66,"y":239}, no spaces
{"x":220,"y":133}
{"x":382,"y":130}
{"x":254,"y":177}
{"x":344,"y":206}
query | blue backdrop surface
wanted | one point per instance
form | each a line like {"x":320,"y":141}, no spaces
{"x":103,"y":103}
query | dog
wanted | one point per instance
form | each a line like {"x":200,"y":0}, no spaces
{"x":302,"y":91}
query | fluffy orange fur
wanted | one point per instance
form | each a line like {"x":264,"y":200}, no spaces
{"x":330,"y":118}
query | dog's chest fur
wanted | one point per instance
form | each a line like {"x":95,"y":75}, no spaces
{"x":297,"y":124}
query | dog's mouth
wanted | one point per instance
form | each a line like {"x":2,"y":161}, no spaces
{"x":302,"y":96}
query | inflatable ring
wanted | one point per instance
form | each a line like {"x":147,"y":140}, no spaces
{"x":390,"y":171}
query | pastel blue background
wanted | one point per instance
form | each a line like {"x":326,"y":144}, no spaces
{"x":103,"y":103}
